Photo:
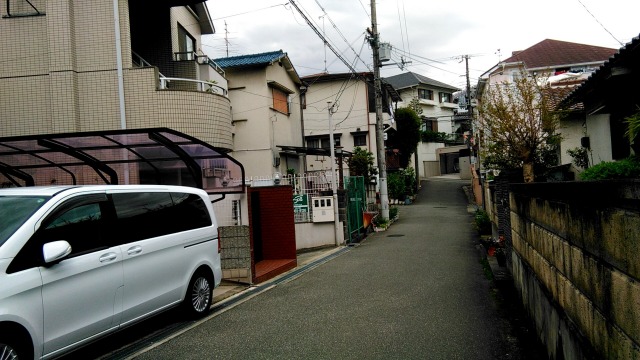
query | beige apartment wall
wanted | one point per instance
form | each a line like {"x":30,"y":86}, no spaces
{"x":183,"y":16}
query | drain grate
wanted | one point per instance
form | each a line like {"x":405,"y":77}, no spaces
{"x":395,"y":235}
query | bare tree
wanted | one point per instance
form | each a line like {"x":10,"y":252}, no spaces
{"x":519,"y":124}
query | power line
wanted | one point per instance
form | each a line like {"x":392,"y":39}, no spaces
{"x":598,"y":21}
{"x":336,"y":53}
{"x":249,"y":12}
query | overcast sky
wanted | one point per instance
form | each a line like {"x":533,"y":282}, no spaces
{"x":432,"y":35}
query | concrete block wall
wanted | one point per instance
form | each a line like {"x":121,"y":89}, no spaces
{"x":575,"y":256}
{"x":235,"y":253}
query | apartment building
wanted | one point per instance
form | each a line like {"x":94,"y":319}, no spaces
{"x":70,"y":66}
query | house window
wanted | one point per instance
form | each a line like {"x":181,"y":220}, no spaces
{"x":186,"y":45}
{"x":425,"y":94}
{"x":280,"y":101}
{"x":322,"y":142}
{"x":446,"y":97}
{"x":430,"y":125}
{"x":360,"y":140}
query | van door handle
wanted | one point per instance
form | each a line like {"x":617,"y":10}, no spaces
{"x":108,"y":257}
{"x":134,"y":250}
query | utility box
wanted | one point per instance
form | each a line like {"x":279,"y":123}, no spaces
{"x":385,"y":52}
{"x":322,"y":209}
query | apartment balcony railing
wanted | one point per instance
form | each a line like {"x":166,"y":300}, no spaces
{"x":174,"y":83}
{"x":201,"y":85}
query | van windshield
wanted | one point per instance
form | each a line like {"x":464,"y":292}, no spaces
{"x":15,"y":210}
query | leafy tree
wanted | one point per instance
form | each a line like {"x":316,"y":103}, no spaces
{"x":414,"y":104}
{"x":407,"y":136}
{"x":361,"y":164}
{"x":519,"y":126}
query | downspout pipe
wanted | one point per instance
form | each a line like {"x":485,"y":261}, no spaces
{"x":123,"y":116}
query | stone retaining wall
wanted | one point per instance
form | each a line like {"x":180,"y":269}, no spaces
{"x":576,"y":261}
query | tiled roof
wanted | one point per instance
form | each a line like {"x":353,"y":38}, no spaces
{"x":250,"y":60}
{"x":410,"y":79}
{"x":624,"y":57}
{"x":550,"y":53}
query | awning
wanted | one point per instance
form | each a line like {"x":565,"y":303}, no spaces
{"x":136,"y":156}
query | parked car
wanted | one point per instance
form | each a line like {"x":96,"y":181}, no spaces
{"x":80,"y":262}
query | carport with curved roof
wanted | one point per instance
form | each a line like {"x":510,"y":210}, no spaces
{"x":135,"y":156}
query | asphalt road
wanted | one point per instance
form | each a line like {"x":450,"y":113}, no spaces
{"x":416,"y":291}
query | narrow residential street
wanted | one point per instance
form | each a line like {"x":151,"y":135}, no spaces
{"x":416,"y":291}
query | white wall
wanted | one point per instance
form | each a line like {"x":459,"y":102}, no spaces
{"x":571,"y":131}
{"x":426,"y":152}
{"x":311,"y":235}
{"x":599,"y":132}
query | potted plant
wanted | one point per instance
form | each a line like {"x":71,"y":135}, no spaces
{"x":380,"y":224}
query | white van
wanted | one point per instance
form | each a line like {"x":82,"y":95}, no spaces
{"x":80,"y":262}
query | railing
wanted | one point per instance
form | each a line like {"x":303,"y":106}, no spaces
{"x":202,"y":85}
{"x":139,"y":61}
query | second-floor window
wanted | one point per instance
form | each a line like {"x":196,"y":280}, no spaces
{"x":425,"y":94}
{"x":360,"y":140}
{"x":186,"y":45}
{"x":280,"y":101}
{"x":446,"y":97}
{"x":322,"y":142}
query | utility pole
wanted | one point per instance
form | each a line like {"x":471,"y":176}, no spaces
{"x":334,"y":186}
{"x":382,"y":162}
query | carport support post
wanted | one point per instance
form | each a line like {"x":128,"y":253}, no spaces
{"x":334,"y":187}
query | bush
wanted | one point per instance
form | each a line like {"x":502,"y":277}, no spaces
{"x":402,"y":183}
{"x":622,"y":169}
{"x":393,"y":212}
{"x":483,"y":223}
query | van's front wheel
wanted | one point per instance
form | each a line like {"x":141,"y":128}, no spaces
{"x":199,"y":297}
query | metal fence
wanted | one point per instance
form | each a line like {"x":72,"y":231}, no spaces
{"x":305,"y":186}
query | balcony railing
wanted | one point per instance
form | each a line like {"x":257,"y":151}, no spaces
{"x":201,"y":85}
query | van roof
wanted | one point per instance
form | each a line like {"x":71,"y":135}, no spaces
{"x":53,"y":190}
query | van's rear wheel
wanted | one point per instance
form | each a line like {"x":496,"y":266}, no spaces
{"x":11,"y":349}
{"x":199,"y":297}
{"x":8,"y":352}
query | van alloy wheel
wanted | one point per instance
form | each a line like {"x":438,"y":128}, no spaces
{"x":201,"y":294}
{"x":7,"y":352}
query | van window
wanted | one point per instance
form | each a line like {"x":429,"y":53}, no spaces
{"x":146,"y":215}
{"x":143,"y":215}
{"x":14,"y":211}
{"x":79,"y":221}
{"x":190,"y":212}
{"x":80,"y":226}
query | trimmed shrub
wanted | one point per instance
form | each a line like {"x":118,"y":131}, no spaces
{"x":622,"y":169}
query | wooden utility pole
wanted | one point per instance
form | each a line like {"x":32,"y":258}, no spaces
{"x":382,"y":162}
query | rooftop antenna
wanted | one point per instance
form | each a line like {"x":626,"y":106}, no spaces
{"x":325,"y":45}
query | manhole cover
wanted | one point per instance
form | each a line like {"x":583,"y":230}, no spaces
{"x":395,"y":235}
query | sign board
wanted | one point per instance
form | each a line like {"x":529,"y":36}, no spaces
{"x":300,"y":203}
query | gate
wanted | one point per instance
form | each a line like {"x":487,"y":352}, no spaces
{"x":356,"y":205}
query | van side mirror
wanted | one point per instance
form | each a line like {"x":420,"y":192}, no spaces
{"x":55,"y":251}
